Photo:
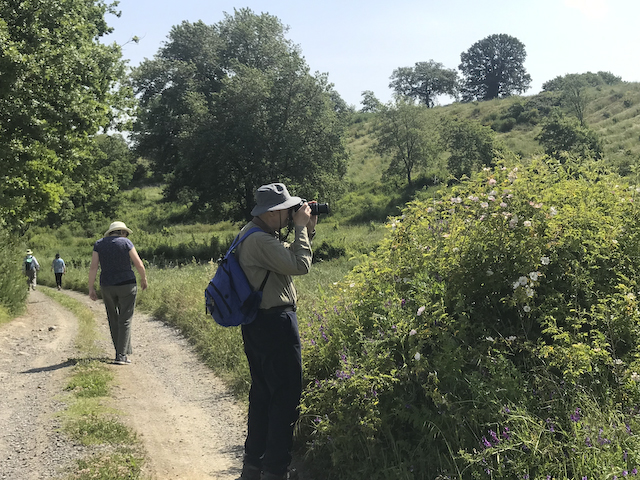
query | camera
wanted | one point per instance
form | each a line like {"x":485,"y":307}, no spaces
{"x":316,"y":208}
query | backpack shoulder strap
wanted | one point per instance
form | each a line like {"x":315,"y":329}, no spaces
{"x":238,"y":240}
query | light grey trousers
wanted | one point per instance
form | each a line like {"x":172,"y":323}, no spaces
{"x":120,"y":302}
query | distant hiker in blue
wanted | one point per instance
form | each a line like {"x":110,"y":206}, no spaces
{"x":59,"y":269}
{"x":31,"y":267}
{"x":114,"y":254}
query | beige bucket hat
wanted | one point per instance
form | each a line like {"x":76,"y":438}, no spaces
{"x":117,"y":226}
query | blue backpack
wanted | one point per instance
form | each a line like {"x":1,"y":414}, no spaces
{"x":229,"y":297}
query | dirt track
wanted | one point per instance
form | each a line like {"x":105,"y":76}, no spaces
{"x":190,"y":425}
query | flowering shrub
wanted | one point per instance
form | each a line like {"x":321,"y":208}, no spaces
{"x":489,"y":316}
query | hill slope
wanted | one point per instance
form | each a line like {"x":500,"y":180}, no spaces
{"x":613,"y":112}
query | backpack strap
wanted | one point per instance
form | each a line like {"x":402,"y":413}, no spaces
{"x":238,"y":240}
{"x":264,"y":281}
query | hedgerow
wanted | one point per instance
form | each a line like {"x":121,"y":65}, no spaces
{"x":494,"y":334}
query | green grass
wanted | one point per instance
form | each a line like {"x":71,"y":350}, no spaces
{"x":122,"y":464}
{"x":90,"y":379}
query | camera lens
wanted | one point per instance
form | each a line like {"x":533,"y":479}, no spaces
{"x":319,"y":208}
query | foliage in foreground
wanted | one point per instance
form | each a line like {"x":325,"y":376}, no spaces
{"x":494,"y":335}
{"x":13,"y":291}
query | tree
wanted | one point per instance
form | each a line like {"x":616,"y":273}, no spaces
{"x":424,"y":82}
{"x":574,"y":95}
{"x":59,"y":85}
{"x":228,"y":107}
{"x":494,"y":67}
{"x":370,"y":104}
{"x":406,"y":133}
{"x":471,"y":146}
{"x":588,"y":79}
{"x":561,"y":135}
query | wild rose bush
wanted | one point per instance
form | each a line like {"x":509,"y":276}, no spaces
{"x":493,"y":335}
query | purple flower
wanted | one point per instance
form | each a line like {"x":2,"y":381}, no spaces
{"x":505,"y":433}
{"x":403,"y":302}
{"x":634,"y":471}
{"x":575,"y":417}
{"x":625,"y":473}
{"x":494,"y":436}
{"x":551,"y":426}
{"x":486,"y":443}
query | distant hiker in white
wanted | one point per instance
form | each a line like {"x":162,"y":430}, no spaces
{"x":31,"y":267}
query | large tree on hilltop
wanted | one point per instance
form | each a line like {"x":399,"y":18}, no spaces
{"x":494,"y":67}
{"x":58,"y":86}
{"x":424,"y":82}
{"x":227,"y":107}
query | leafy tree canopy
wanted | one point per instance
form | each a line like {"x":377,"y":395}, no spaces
{"x":59,"y":85}
{"x":587,"y":79}
{"x":471,"y":146}
{"x":494,"y":67}
{"x":228,"y":107}
{"x":370,"y":103}
{"x":424,"y":82}
{"x":561,"y":135}
{"x":406,"y":132}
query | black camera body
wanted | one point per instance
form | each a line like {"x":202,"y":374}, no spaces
{"x":316,"y":208}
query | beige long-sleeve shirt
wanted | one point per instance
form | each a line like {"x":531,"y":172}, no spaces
{"x":261,"y":252}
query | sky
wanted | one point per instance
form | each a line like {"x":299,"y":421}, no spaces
{"x":359,"y":44}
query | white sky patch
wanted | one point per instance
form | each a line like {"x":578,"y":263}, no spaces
{"x":595,"y":9}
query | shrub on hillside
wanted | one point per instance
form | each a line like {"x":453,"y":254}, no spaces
{"x":494,"y":334}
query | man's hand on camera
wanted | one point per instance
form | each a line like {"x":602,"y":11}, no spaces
{"x":302,"y":216}
{"x":311,"y":224}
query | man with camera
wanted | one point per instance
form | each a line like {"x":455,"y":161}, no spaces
{"x":272,"y":341}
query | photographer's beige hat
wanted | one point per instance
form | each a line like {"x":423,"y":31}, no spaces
{"x":117,"y":226}
{"x":273,"y":196}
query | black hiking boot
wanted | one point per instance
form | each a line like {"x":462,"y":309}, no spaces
{"x":291,"y":474}
{"x":249,"y":472}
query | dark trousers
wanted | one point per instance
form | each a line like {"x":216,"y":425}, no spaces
{"x":58,"y":279}
{"x":272,"y":346}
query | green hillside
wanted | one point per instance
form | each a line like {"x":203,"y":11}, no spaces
{"x":613,"y":112}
